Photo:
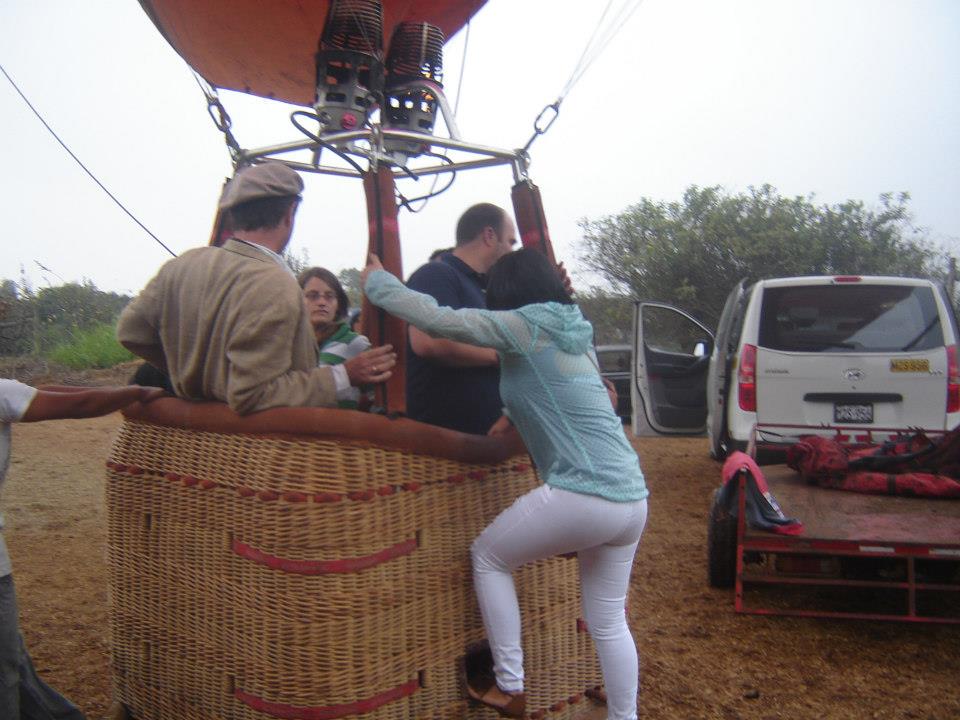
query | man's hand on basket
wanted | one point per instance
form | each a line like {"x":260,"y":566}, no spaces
{"x":371,"y":366}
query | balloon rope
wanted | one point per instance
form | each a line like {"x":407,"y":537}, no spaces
{"x":594,"y":46}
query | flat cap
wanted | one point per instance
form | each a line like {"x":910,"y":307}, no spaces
{"x":270,"y":179}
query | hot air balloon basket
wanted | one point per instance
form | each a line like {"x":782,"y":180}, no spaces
{"x":266,"y":575}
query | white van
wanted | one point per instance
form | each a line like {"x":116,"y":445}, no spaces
{"x":868,"y":353}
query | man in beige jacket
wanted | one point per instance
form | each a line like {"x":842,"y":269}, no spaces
{"x":228,"y":323}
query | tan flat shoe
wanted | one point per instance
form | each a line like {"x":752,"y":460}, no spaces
{"x":493,"y":697}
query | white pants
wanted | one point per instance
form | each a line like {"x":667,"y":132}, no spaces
{"x":546,"y":522}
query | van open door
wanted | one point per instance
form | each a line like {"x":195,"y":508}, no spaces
{"x":718,"y":379}
{"x":671,"y":358}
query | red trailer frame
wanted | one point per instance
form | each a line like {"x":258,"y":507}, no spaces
{"x":841,"y":525}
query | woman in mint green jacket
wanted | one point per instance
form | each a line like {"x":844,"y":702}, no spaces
{"x":593,"y":497}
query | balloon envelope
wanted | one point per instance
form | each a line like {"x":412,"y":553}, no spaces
{"x":267,"y":48}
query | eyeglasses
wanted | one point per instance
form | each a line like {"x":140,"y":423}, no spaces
{"x":313,"y":296}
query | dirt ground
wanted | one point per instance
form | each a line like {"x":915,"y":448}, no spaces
{"x":699,"y":659}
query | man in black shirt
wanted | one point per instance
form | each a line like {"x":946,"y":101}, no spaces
{"x":452,"y":384}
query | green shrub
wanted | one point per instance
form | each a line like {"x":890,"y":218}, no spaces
{"x":96,"y":347}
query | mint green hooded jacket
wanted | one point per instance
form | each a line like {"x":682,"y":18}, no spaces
{"x":548,"y":381}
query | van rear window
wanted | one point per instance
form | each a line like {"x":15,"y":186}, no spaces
{"x":844,"y":318}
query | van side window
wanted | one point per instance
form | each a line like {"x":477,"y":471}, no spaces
{"x":841,"y":318}
{"x":665,"y":330}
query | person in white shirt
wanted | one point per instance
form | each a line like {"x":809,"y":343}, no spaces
{"x":23,"y":695}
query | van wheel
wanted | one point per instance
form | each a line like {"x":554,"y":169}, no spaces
{"x":721,"y":545}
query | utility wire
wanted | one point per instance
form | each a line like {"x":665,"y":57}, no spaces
{"x":84,"y":167}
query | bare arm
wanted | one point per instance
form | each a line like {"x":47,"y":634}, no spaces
{"x":53,"y":402}
{"x":450,"y":352}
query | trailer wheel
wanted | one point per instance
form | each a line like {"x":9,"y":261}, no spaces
{"x":721,"y":545}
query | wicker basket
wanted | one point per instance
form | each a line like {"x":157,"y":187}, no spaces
{"x":314,"y":564}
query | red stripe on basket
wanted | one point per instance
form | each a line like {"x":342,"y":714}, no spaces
{"x":327,"y":712}
{"x":324,"y":567}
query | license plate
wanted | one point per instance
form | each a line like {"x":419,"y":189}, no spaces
{"x":910,"y":365}
{"x":853,"y":413}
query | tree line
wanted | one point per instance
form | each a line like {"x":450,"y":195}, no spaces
{"x":691,"y":252}
{"x":36,"y":322}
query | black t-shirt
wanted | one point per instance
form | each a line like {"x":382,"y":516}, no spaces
{"x":459,"y":398}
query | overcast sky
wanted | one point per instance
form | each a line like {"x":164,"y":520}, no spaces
{"x":839,"y":98}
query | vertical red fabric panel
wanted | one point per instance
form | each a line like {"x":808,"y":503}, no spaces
{"x":531,"y":221}
{"x":381,"y":328}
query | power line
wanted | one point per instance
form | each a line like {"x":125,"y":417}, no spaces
{"x":84,"y":167}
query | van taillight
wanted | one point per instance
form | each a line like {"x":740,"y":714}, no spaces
{"x":953,"y":380}
{"x":747,"y":379}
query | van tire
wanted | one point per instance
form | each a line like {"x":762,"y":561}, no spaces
{"x":721,"y":545}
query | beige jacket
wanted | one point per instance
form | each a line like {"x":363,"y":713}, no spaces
{"x":228,"y":323}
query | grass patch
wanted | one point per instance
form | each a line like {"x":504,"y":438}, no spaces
{"x":96,"y":347}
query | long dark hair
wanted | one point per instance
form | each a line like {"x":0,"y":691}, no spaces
{"x":522,"y":278}
{"x":324,"y":275}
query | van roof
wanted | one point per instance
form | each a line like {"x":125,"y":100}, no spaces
{"x":843,"y":280}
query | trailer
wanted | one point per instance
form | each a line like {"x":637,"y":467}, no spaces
{"x":862,"y":556}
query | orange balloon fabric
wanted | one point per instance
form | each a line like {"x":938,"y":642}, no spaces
{"x":267,"y":48}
